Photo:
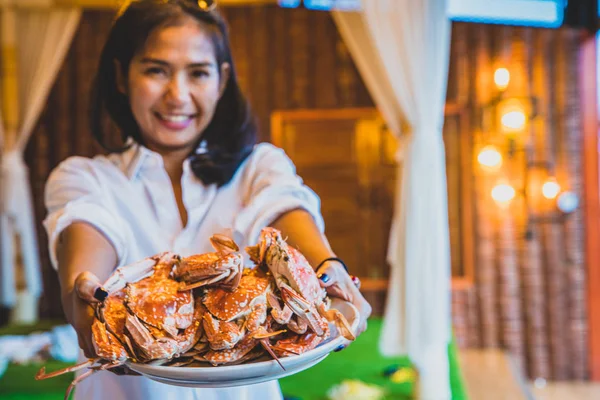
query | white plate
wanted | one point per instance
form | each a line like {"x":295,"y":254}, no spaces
{"x":252,"y":372}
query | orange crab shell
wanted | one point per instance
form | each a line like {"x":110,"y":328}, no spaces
{"x":157,"y":301}
{"x":226,"y":305}
{"x":196,"y":262}
{"x":113,"y":313}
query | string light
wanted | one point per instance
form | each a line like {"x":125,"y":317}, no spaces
{"x":490,"y":157}
{"x":503,"y":193}
{"x":550,"y":189}
{"x":501,"y":78}
{"x":513,"y":121}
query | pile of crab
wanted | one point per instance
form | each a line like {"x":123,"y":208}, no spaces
{"x":210,"y":309}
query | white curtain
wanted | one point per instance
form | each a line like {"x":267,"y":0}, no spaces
{"x":42,"y":40}
{"x":401,"y":48}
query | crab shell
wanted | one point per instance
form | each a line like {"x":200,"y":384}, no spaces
{"x":112,"y":312}
{"x":228,"y":306}
{"x":108,"y":328}
{"x":158,"y":301}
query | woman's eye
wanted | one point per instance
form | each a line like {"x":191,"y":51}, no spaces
{"x":200,"y":74}
{"x":155,"y":71}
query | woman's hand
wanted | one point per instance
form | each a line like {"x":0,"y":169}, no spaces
{"x":339,"y":284}
{"x":77,"y":304}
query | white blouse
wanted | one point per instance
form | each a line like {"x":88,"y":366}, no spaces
{"x":129,"y":198}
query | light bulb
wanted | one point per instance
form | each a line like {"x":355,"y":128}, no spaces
{"x":503,"y":193}
{"x":551,"y":188}
{"x":567,"y":202}
{"x":513,"y":120}
{"x":490,"y":157}
{"x":501,"y":78}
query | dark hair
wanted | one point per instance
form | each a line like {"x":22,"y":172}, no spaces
{"x":230,"y":136}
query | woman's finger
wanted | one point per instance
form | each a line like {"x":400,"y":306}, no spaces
{"x":86,"y":285}
{"x":330,"y":274}
{"x":86,"y":346}
{"x":336,"y":291}
{"x":361,"y":327}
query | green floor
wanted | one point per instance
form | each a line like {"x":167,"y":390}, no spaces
{"x":360,"y":361}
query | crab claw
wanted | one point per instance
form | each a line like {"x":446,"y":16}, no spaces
{"x":302,"y":308}
{"x":340,"y":321}
{"x":258,"y":253}
{"x":223,"y":244}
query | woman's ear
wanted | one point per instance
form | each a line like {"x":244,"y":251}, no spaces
{"x":224,"y":75}
{"x":121,"y":81}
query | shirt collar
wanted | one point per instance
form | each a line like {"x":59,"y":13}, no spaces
{"x":139,"y":156}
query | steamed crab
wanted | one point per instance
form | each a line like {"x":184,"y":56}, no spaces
{"x":144,"y":317}
{"x":237,"y":319}
{"x":300,"y":291}
{"x":225,"y":266}
{"x":245,"y":350}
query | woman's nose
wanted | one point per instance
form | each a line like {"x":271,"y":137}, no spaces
{"x":178,"y":91}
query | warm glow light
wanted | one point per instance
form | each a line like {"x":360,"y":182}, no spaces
{"x":503,"y":193}
{"x":490,"y":157}
{"x":501,"y":78}
{"x":551,"y":188}
{"x":513,"y":121}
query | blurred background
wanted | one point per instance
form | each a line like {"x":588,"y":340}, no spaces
{"x":521,"y":156}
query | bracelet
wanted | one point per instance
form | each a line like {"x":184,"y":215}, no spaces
{"x":332,"y":259}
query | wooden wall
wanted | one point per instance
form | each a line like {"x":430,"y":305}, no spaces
{"x":529,"y":296}
{"x":529,"y":293}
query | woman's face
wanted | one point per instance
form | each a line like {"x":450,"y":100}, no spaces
{"x":173,"y":85}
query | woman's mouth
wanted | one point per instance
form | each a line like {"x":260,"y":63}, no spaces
{"x":175,"y":122}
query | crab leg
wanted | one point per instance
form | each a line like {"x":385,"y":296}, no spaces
{"x":136,"y":271}
{"x":256,"y":321}
{"x":204,"y":282}
{"x":298,"y":344}
{"x":85,"y":375}
{"x":129,"y":273}
{"x":340,"y":321}
{"x":281,"y":315}
{"x":76,"y":381}
{"x":43,"y":375}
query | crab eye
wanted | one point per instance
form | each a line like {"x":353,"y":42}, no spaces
{"x":286,"y":258}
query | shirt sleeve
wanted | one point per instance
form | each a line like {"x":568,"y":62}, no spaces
{"x":74,"y":194}
{"x":273,"y":189}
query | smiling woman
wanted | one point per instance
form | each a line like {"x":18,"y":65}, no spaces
{"x":189,"y":168}
{"x":174,"y":84}
{"x":164,"y":87}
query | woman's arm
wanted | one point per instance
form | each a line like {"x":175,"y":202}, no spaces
{"x":85,"y":259}
{"x":299,"y":230}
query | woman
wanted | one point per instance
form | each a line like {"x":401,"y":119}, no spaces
{"x":190,"y":168}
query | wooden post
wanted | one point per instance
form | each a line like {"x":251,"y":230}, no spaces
{"x":8,"y":75}
{"x":590,"y":203}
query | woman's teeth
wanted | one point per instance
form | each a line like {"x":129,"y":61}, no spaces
{"x":175,"y":118}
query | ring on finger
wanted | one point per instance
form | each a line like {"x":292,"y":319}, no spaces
{"x":355,"y":280}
